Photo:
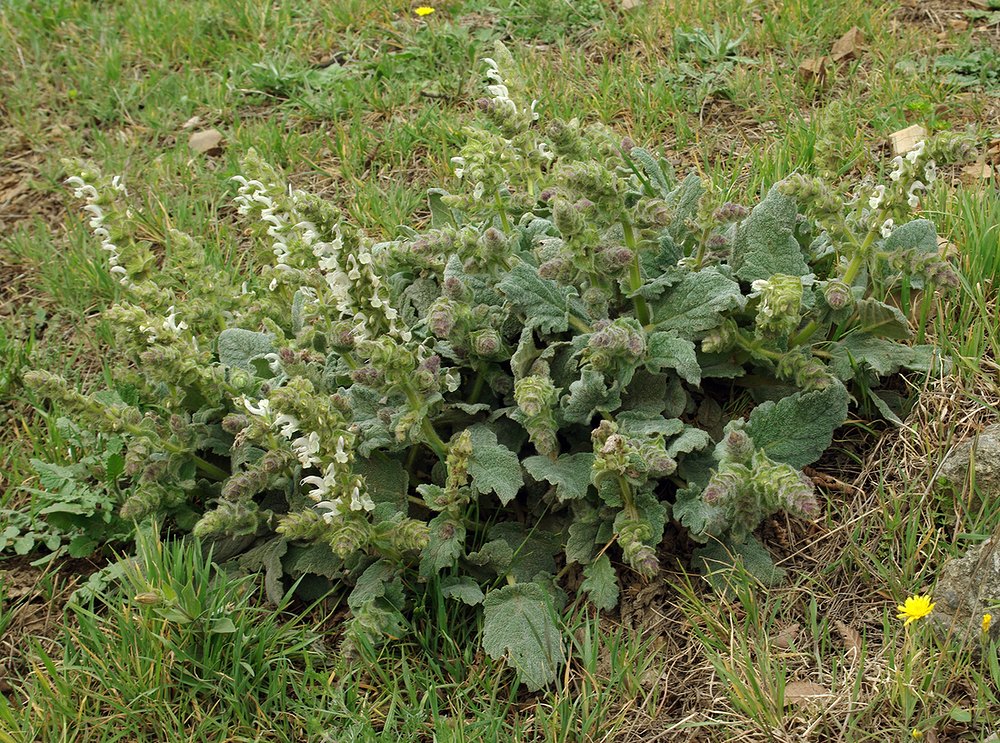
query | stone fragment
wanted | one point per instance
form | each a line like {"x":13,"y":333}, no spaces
{"x":848,"y":46}
{"x":982,"y":451}
{"x":969,"y":587}
{"x":207,"y":142}
{"x":906,"y":139}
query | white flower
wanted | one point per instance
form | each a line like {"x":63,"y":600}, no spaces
{"x":171,"y":325}
{"x":878,"y":196}
{"x":321,"y":485}
{"x":898,"y":167}
{"x":262,"y":407}
{"x":460,"y":170}
{"x":289,"y":424}
{"x":914,"y":154}
{"x":911,"y":195}
{"x":340,"y":455}
{"x":930,"y":172}
{"x":306,"y":448}
{"x":886,"y":228}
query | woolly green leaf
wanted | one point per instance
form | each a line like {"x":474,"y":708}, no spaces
{"x":697,"y":303}
{"x":386,"y":479}
{"x":798,"y":429}
{"x":545,"y":304}
{"x":701,"y":519}
{"x":653,"y":168}
{"x":883,"y":357}
{"x":765,"y":243}
{"x":441,"y":215}
{"x":462,"y":588}
{"x":600,"y":583}
{"x":638,"y":424}
{"x":380,"y":580}
{"x":268,"y":556}
{"x":684,"y":199}
{"x":493,"y":467}
{"x":692,"y":439}
{"x":587,"y":396}
{"x":718,"y":560}
{"x":917,"y":234}
{"x":570,"y":473}
{"x":239,"y":348}
{"x":582,"y":541}
{"x":533,"y":551}
{"x":883,"y":320}
{"x":667,"y":351}
{"x":520,"y":625}
{"x":446,"y":544}
{"x":375,"y":434}
{"x":315,"y":559}
{"x":496,"y":555}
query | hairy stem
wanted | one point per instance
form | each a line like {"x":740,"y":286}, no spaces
{"x":634,"y":273}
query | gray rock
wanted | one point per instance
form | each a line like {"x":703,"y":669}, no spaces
{"x":967,"y":588}
{"x":983,"y":450}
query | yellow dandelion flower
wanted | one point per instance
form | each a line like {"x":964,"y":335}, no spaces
{"x":916,"y":734}
{"x":423,"y":10}
{"x":914,"y":608}
{"x":987,"y":621}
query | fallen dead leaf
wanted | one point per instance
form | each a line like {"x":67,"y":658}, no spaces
{"x":906,"y":139}
{"x":848,"y":46}
{"x":786,"y":636}
{"x":207,"y":142}
{"x":813,"y":69}
{"x":977,"y":172}
{"x":805,"y":692}
{"x":957,"y":24}
{"x":849,"y":636}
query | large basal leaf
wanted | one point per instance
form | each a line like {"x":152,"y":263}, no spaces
{"x":520,"y":626}
{"x":883,"y":320}
{"x":570,"y":473}
{"x":545,"y":304}
{"x":697,"y":303}
{"x":445,"y":545}
{"x":718,"y":560}
{"x":462,"y":588}
{"x":239,"y":348}
{"x":493,"y":467}
{"x":532,"y":550}
{"x":667,"y":351}
{"x":765,"y":244}
{"x":882,"y":356}
{"x":799,"y":428}
{"x":600,"y":583}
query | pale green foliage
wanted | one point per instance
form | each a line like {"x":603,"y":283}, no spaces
{"x":518,"y":388}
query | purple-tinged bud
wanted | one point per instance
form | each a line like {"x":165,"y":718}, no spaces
{"x":494,"y":242}
{"x":486,"y":343}
{"x":286,"y":355}
{"x":234,"y":423}
{"x":614,"y":259}
{"x":730,"y":212}
{"x":717,"y":242}
{"x":628,"y":144}
{"x":557,"y":269}
{"x":714,"y":493}
{"x":340,"y":402}
{"x":546,"y":195}
{"x":431,"y":364}
{"x":739,"y":446}
{"x":837,"y":294}
{"x":178,"y":426}
{"x":454,"y":288}
{"x":484,"y":104}
{"x":661,"y":465}
{"x":367,"y":376}
{"x":442,"y":319}
{"x":385,"y":415}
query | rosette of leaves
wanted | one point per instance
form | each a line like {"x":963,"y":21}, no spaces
{"x":561,"y":363}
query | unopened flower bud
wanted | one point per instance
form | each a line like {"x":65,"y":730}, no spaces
{"x":149,"y":598}
{"x":730,"y":212}
{"x":837,"y":294}
{"x":494,"y":242}
{"x":454,"y":288}
{"x":442,"y":318}
{"x":234,"y":423}
{"x":367,"y":376}
{"x":486,"y":343}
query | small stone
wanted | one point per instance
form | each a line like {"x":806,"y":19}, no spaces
{"x":983,"y":452}
{"x":813,"y":69}
{"x":968,"y":587}
{"x":906,"y":139}
{"x":207,"y":142}
{"x":848,"y":46}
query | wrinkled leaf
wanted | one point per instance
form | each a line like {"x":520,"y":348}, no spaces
{"x":520,"y":626}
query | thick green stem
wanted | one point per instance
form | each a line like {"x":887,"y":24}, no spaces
{"x":635,"y":274}
{"x":207,"y":468}
{"x":502,"y":212}
{"x":477,"y":388}
{"x":432,"y":439}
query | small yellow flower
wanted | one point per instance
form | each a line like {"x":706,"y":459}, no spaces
{"x":423,"y":10}
{"x":987,"y":621}
{"x":914,"y":608}
{"x":916,"y":734}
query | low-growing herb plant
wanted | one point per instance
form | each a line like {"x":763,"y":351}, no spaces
{"x":578,"y":350}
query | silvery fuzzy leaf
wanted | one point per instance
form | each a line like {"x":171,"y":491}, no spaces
{"x":495,"y":555}
{"x":917,"y":234}
{"x":462,"y":588}
{"x":386,"y":479}
{"x":701,"y":519}
{"x":667,"y":351}
{"x":717,"y":560}
{"x":600,"y":583}
{"x":520,"y":625}
{"x":882,"y":320}
{"x":587,"y":396}
{"x":493,"y":467}
{"x":545,"y":304}
{"x":239,"y":348}
{"x":697,"y":303}
{"x":765,"y":244}
{"x":882,"y":356}
{"x":691,"y":439}
{"x":798,"y":429}
{"x":445,"y":546}
{"x":570,"y":473}
{"x":533,"y":551}
{"x":636,"y":424}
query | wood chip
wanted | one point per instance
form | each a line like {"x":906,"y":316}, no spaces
{"x":805,"y":692}
{"x":813,"y":69}
{"x":848,"y":46}
{"x":207,"y":142}
{"x":849,"y":636}
{"x":906,"y":139}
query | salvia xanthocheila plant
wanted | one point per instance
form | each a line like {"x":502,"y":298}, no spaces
{"x":538,"y":382}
